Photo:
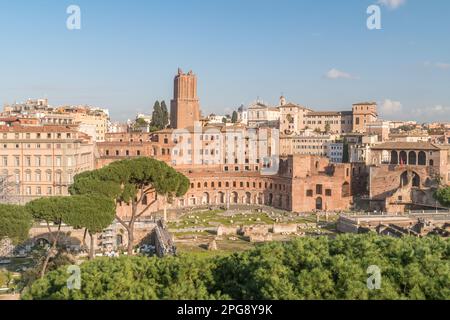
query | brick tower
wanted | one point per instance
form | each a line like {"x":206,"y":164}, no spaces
{"x":185,"y":106}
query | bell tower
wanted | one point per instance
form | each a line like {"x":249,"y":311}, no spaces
{"x":185,"y":106}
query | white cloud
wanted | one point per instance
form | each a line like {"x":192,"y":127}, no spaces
{"x":439,"y":65}
{"x":392,"y":4}
{"x":433,"y":112}
{"x":442,"y":65}
{"x":390,"y":107}
{"x":337,"y":74}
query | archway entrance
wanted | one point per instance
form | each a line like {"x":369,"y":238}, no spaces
{"x":205,"y":198}
{"x":404,"y":179}
{"x":319,"y":203}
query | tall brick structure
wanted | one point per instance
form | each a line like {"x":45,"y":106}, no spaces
{"x":185,"y":106}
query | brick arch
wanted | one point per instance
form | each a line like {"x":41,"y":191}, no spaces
{"x":405,"y":176}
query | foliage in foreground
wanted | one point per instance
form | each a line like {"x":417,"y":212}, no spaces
{"x":443,"y":196}
{"x":308,"y":268}
{"x":15,"y":223}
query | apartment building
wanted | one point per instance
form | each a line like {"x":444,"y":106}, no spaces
{"x":39,"y":161}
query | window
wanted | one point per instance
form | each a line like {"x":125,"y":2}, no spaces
{"x":38,"y":191}
{"x":58,"y":177}
{"x":38,"y":176}
{"x":49,"y":191}
{"x":328,"y":192}
{"x":5,"y":161}
{"x":37,"y":161}
{"x":309,"y":193}
{"x":49,"y":176}
{"x":28,"y":161}
{"x":58,"y":161}
{"x":319,"y":189}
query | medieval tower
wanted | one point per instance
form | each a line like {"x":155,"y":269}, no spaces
{"x":185,"y":106}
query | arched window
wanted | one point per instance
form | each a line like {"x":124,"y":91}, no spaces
{"x":431,"y":162}
{"x":394,"y":157}
{"x":270,"y":199}
{"x":248,"y":198}
{"x":221,"y":197}
{"x":412,"y":158}
{"x":422,"y":159}
{"x":234,"y":198}
{"x":403,"y":158}
{"x":319,"y":203}
{"x":205,"y":198}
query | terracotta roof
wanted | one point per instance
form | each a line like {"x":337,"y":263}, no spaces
{"x":45,"y":128}
{"x":293,"y":105}
{"x":364,"y":103}
{"x":328,"y":113}
{"x":9,"y":119}
{"x":405,"y":146}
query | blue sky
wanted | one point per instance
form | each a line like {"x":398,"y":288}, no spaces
{"x":317,"y":53}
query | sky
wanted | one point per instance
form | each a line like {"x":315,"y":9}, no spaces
{"x":317,"y":53}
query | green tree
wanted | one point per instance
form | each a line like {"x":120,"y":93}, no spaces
{"x":52,"y":211}
{"x":165,"y":115}
{"x":306,"y":268}
{"x":234,"y":117}
{"x":136,"y":182}
{"x":94,"y":214}
{"x":140,"y":122}
{"x":131,"y":278}
{"x":157,"y":116}
{"x":15,"y":223}
{"x":443,"y":196}
{"x":345,"y":153}
{"x":327,"y":128}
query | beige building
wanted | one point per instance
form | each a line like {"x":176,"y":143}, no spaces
{"x":90,"y":120}
{"x":260,"y":114}
{"x":295,"y":118}
{"x":292,"y":117}
{"x":329,"y":121}
{"x":310,"y":143}
{"x":364,"y":113}
{"x":42,"y":161}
